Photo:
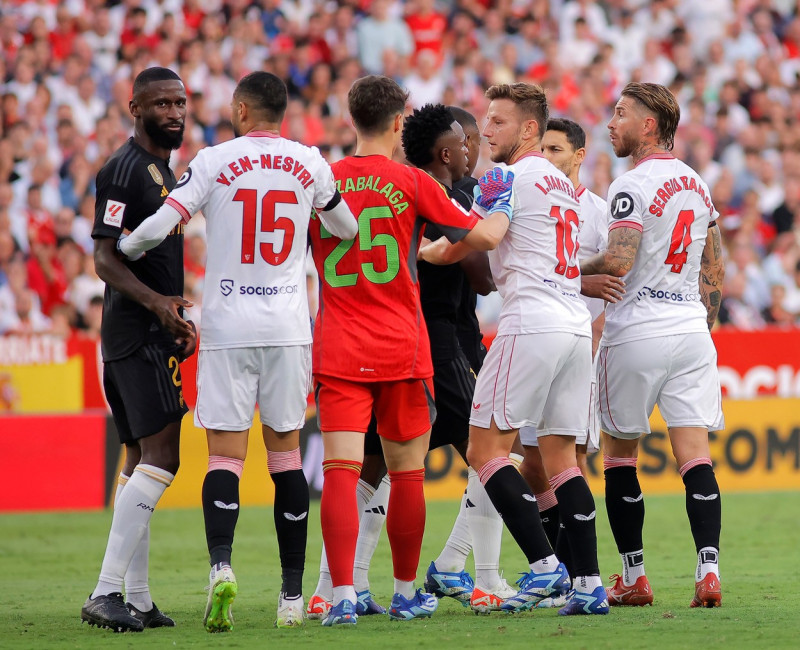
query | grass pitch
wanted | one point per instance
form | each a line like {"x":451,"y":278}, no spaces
{"x":49,"y":564}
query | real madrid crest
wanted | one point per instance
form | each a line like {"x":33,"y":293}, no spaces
{"x":157,"y":177}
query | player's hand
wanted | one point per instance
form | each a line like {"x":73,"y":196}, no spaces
{"x":607,"y":287}
{"x":167,"y":310}
{"x":434,"y":252}
{"x":494,"y":191}
{"x":422,"y":244}
{"x":122,"y":237}
{"x":189,"y":344}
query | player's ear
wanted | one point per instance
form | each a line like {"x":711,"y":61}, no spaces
{"x":580,"y":155}
{"x":398,"y":122}
{"x":444,"y":155}
{"x":133,"y":108}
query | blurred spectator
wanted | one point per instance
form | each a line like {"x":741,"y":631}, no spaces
{"x":66,"y":71}
{"x":735,"y":310}
{"x":776,"y":313}
{"x":379,"y":32}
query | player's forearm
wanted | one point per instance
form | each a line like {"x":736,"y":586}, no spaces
{"x":488,"y":233}
{"x":618,"y":258}
{"x":151,"y":232}
{"x":712,"y":274}
{"x":119,"y":277}
{"x":339,"y":220}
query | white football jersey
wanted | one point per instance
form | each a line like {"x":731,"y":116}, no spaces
{"x":592,"y":237}
{"x":535,"y":266}
{"x":256,"y":193}
{"x":665,"y":199}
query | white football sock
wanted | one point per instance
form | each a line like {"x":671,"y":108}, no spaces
{"x":344,"y":592}
{"x":707,"y":562}
{"x":405,"y":589}
{"x":545,"y":565}
{"x":131,"y":518}
{"x":486,"y":530}
{"x":324,"y":585}
{"x":137,"y":589}
{"x":373,"y":515}
{"x":456,"y":550}
{"x":586,"y":584}
{"x":632,"y":567}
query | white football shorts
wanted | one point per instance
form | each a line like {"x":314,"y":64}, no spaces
{"x":528,"y":379}
{"x":678,"y":372}
{"x":231,"y":381}
{"x":528,"y":436}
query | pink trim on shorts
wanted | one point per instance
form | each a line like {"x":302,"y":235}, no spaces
{"x":567,"y":475}
{"x":613,"y":461}
{"x":508,"y":372}
{"x":492,"y":467}
{"x":284,"y":461}
{"x":546,"y":500}
{"x":223,"y":462}
{"x":693,"y":463}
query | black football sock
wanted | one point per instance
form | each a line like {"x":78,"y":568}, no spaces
{"x":221,"y":512}
{"x":703,"y":506}
{"x":578,"y":515}
{"x":291,"y":527}
{"x":516,"y":504}
{"x":550,"y":523}
{"x":625,"y":506}
{"x":563,"y":551}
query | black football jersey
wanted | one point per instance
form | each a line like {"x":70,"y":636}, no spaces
{"x":442,"y":291}
{"x":131,"y":186}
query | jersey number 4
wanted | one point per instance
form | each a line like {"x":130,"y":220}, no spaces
{"x":269,"y":223}
{"x":566,"y":241}
{"x":681,"y":238}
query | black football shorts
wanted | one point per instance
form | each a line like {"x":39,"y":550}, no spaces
{"x":144,"y":391}
{"x":453,"y":387}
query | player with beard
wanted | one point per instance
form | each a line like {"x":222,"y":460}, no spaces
{"x":564,"y":145}
{"x":656,"y":346}
{"x":143,"y":339}
{"x":257,"y":193}
{"x":538,"y":370}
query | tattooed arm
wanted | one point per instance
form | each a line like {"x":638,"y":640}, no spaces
{"x":712,"y":272}
{"x":618,"y":258}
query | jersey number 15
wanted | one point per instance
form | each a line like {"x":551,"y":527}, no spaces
{"x":269,"y":223}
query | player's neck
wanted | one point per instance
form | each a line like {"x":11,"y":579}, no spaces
{"x":141,"y":138}
{"x":380,"y":145}
{"x":573,"y":177}
{"x":646,"y":149}
{"x":526,"y":148}
{"x":441,"y":174}
{"x":261,"y":127}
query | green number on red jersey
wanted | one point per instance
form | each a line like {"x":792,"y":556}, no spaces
{"x":366,"y":242}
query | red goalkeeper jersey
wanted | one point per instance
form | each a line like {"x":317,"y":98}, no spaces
{"x":370,"y":325}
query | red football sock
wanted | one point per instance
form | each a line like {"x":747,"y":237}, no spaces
{"x":339,"y":516}
{"x":405,"y":522}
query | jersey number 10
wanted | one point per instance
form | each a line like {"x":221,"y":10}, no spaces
{"x":567,"y":226}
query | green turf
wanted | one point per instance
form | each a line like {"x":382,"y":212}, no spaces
{"x":49,"y":563}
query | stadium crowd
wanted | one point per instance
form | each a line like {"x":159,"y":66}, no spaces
{"x":67,"y":67}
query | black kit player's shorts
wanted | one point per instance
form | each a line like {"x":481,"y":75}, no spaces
{"x":144,"y":391}
{"x":453,"y":388}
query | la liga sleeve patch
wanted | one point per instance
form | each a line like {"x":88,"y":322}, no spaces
{"x":621,"y":205}
{"x":114,"y":212}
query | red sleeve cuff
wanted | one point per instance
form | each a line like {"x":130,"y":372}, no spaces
{"x":625,"y":224}
{"x":185,"y":216}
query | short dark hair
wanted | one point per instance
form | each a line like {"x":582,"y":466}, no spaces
{"x":659,"y":101}
{"x":149,"y":75}
{"x":529,"y":98}
{"x":264,"y":92}
{"x":464,"y":118}
{"x":374,"y":101}
{"x":576,"y":136}
{"x":421,"y":131}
